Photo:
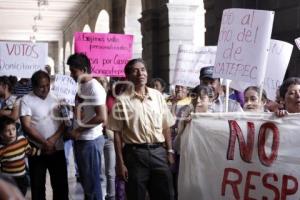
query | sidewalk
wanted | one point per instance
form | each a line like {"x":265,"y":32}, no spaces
{"x":75,"y":189}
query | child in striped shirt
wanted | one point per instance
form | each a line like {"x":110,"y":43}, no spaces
{"x":13,"y":150}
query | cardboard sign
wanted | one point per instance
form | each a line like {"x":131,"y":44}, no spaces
{"x":240,"y":156}
{"x":65,"y":89}
{"x":278,"y":59}
{"x":190,"y":59}
{"x":108,"y":53}
{"x":243,"y":45}
{"x":22,"y":59}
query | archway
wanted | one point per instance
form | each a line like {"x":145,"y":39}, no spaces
{"x":50,"y":62}
{"x":132,"y":25}
{"x":67,"y":54}
{"x":199,"y":25}
{"x":73,"y":45}
{"x":102,"y":23}
{"x":86,"y":29}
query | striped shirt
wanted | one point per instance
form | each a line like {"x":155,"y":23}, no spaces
{"x":12,"y":156}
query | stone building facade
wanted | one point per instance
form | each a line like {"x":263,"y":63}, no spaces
{"x":159,"y":26}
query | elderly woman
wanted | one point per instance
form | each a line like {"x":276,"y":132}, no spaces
{"x":290,"y":96}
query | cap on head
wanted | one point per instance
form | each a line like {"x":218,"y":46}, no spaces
{"x":207,"y":72}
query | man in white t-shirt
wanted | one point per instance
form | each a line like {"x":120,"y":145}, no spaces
{"x":38,"y":112}
{"x":90,"y":113}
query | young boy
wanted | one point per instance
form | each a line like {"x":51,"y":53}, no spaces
{"x":13,"y":150}
{"x":202,"y":99}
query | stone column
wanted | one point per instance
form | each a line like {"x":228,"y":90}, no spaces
{"x":163,"y":29}
{"x":133,"y":26}
{"x":149,"y":29}
{"x":181,"y":30}
{"x":59,"y":65}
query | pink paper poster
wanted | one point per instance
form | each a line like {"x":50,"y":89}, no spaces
{"x":108,"y":53}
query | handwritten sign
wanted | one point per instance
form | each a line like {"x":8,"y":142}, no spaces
{"x":65,"y":88}
{"x":246,"y":156}
{"x":22,"y":59}
{"x":243,"y":44}
{"x":278,"y":60}
{"x":190,"y":59}
{"x":108,"y":53}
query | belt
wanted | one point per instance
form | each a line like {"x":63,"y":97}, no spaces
{"x":146,"y":145}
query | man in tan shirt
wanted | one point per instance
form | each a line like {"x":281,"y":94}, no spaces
{"x":141,"y":119}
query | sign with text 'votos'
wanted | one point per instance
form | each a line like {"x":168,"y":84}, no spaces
{"x":243,"y":44}
{"x":22,"y":59}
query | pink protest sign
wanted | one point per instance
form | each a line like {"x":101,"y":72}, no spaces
{"x":108,"y":53}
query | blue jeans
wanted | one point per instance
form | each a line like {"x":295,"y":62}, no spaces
{"x":88,"y":156}
{"x":68,"y":146}
{"x":110,"y":164}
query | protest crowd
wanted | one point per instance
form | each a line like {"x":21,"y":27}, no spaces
{"x":145,"y":125}
{"x":140,"y":139}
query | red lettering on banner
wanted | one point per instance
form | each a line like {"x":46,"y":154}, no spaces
{"x":233,"y":183}
{"x":267,"y":185}
{"x":248,"y":185}
{"x":288,"y":191}
{"x":246,"y":150}
{"x":234,"y":178}
{"x":264,"y":159}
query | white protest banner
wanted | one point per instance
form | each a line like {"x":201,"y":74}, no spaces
{"x":278,"y":60}
{"x":190,"y":59}
{"x":297,"y":41}
{"x":243,"y":45}
{"x":65,"y":88}
{"x":22,"y":59}
{"x":246,"y":156}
